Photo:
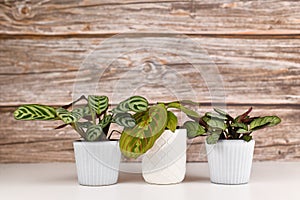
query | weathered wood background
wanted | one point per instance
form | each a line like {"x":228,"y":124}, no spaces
{"x":255,"y":44}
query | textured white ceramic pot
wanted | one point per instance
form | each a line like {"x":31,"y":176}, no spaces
{"x":230,"y":161}
{"x":165,"y":162}
{"x":97,"y":163}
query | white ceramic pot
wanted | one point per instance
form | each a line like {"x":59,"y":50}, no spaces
{"x":97,"y":163}
{"x":230,"y":161}
{"x":165,"y":162}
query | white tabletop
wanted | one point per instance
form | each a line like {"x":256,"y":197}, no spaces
{"x":269,"y":180}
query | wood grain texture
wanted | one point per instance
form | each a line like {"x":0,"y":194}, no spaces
{"x":253,"y":71}
{"x":254,"y":44}
{"x":38,"y":142}
{"x":109,"y":17}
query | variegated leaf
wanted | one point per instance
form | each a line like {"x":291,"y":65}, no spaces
{"x":137,"y":140}
{"x":134,"y":103}
{"x":94,"y":133}
{"x":105,"y":121}
{"x":124,"y":119}
{"x":66,"y":116}
{"x":35,"y":112}
{"x":97,"y":104}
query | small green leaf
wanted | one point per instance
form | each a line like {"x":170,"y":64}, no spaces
{"x":247,"y":138}
{"x":221,"y":112}
{"x":172,"y":121}
{"x":193,"y":129}
{"x":94,"y":133}
{"x":216,"y":123}
{"x":262,"y":122}
{"x":107,"y":119}
{"x":215,"y":115}
{"x":240,"y":125}
{"x":184,"y":109}
{"x":213,"y":138}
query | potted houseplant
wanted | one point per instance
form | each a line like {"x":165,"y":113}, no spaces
{"x":97,"y":156}
{"x":157,"y":137}
{"x":229,"y":143}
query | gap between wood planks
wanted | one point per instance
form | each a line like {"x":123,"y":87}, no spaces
{"x":238,"y":35}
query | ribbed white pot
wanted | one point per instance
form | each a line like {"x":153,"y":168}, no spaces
{"x":230,"y":161}
{"x":165,"y":162}
{"x":97,"y":163}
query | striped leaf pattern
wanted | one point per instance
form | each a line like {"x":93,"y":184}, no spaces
{"x":105,"y":121}
{"x":81,"y":111}
{"x":35,"y":112}
{"x":138,"y":104}
{"x":98,"y":104}
{"x":137,"y":140}
{"x":134,"y":103}
{"x":124,"y":119}
{"x":94,"y":133}
{"x":122,"y":107}
{"x":66,"y":116}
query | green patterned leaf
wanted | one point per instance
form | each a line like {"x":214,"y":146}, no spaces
{"x":98,"y":104}
{"x":94,"y":133}
{"x":121,"y":108}
{"x":124,"y":119}
{"x":172,"y":121}
{"x":262,"y":122}
{"x":134,"y":103}
{"x":105,"y":121}
{"x":84,"y":124}
{"x":35,"y":112}
{"x":139,"y":139}
{"x":81,"y":111}
{"x":194,"y":129}
{"x":137,"y":104}
{"x":66,"y":116}
{"x":141,"y":116}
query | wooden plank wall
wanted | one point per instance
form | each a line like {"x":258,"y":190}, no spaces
{"x":255,"y":44}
